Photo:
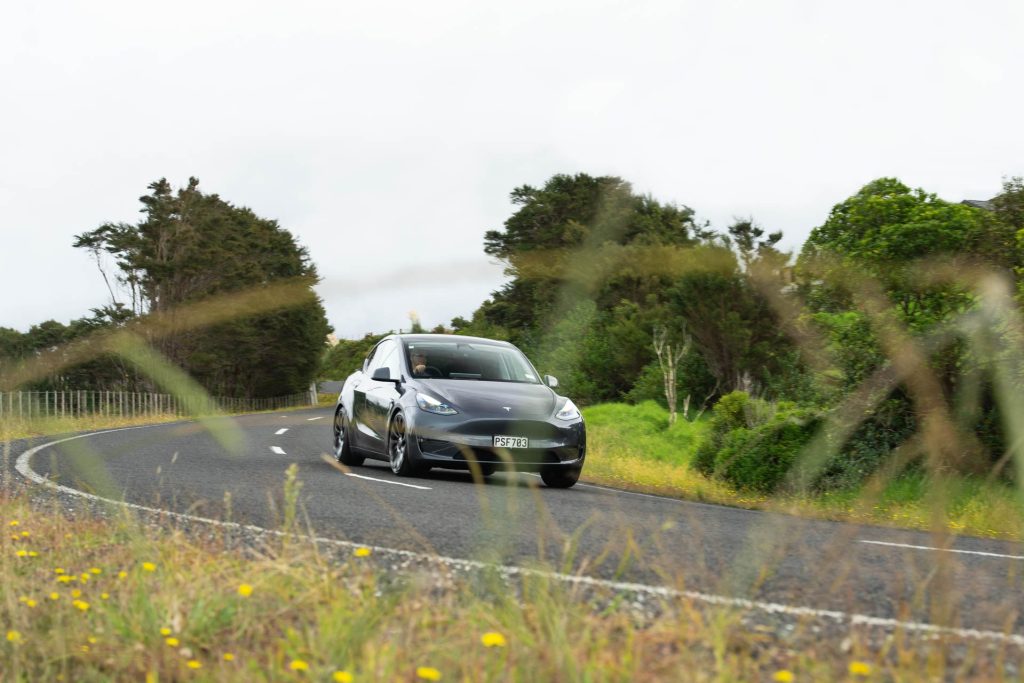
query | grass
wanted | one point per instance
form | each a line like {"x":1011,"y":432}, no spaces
{"x":90,"y":600}
{"x":633,"y":447}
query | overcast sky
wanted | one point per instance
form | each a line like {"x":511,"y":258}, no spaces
{"x":387,"y":135}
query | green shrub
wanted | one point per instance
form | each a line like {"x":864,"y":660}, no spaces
{"x":760,"y":457}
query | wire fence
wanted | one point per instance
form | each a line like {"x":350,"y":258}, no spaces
{"x":28,"y":405}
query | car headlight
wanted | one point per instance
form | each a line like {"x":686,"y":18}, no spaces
{"x":568,"y":411}
{"x":432,"y":405}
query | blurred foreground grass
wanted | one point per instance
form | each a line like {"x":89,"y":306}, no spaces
{"x":100,"y":600}
{"x":633,"y":447}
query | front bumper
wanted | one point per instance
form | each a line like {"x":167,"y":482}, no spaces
{"x":447,"y":441}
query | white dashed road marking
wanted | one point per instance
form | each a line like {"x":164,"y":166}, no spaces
{"x":310,"y":419}
{"x":24,"y":468}
{"x":281,"y":431}
{"x":943,"y":550}
{"x":387,"y":481}
{"x":278,"y":450}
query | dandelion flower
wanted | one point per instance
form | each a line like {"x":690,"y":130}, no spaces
{"x":228,"y":657}
{"x":148,"y":567}
{"x":85,"y":578}
{"x":860,"y":669}
{"x":493,"y":639}
{"x":784,"y":676}
{"x":428,"y":673}
{"x":245,"y":590}
{"x":193,"y":664}
{"x":55,"y":596}
{"x":342,"y":677}
{"x":76,"y":593}
{"x":96,"y":570}
{"x":25,"y":534}
{"x":362,"y":552}
{"x":92,"y":640}
{"x":33,"y":553}
{"x":104,"y":596}
{"x":172,"y":641}
{"x":298,"y":665}
{"x":165,"y":631}
{"x":84,"y":648}
{"x":65,"y":578}
{"x":30,"y":602}
{"x":14,"y":522}
{"x":22,"y":553}
{"x":13,"y":637}
{"x":58,"y":570}
{"x":122,"y":575}
{"x":82,"y":605}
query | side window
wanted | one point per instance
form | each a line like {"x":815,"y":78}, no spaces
{"x":379,"y":355}
{"x":393,"y":362}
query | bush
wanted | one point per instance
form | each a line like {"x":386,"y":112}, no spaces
{"x":752,"y":443}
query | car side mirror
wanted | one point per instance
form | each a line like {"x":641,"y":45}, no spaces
{"x":551,"y":381}
{"x":383,"y":375}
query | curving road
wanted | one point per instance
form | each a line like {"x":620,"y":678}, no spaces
{"x":514,"y":520}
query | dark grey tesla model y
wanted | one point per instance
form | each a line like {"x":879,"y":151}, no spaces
{"x":440,"y":400}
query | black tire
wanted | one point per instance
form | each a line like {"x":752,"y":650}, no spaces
{"x":343,"y":452}
{"x":399,"y":456}
{"x":561,"y":477}
{"x":487,"y":470}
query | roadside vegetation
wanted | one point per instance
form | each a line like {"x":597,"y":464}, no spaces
{"x":106,"y":599}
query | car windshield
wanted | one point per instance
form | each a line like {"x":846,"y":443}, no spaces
{"x":464,"y":360}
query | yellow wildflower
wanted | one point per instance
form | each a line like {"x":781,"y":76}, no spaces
{"x":104,"y":596}
{"x":245,"y":590}
{"x":76,"y":593}
{"x":298,"y":665}
{"x":33,"y":553}
{"x":228,"y":657}
{"x":13,"y":637}
{"x":493,"y":639}
{"x":14,"y":522}
{"x":860,"y":669}
{"x":81,"y":604}
{"x":84,"y":648}
{"x":96,"y":570}
{"x":428,"y":673}
{"x":165,"y":631}
{"x":30,"y":602}
{"x":784,"y":676}
{"x":85,"y":578}
{"x":92,"y":640}
{"x":122,"y":575}
{"x":148,"y":567}
{"x":342,"y":677}
{"x":22,"y":553}
{"x":58,"y":570}
{"x":362,"y":552}
{"x":65,"y":578}
{"x":172,"y":641}
{"x":25,"y":534}
{"x":55,"y":596}
{"x":193,"y":664}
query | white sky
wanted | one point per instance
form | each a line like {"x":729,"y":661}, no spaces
{"x":387,"y":135}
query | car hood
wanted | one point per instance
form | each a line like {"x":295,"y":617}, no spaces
{"x":478,"y":398}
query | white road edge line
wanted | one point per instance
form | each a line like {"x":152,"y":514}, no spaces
{"x":943,"y":550}
{"x":23,"y":467}
{"x":310,"y":419}
{"x":278,"y":450}
{"x":281,"y":431}
{"x":387,"y":481}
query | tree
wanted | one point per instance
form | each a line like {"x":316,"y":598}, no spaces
{"x":190,"y":247}
{"x":668,"y":360}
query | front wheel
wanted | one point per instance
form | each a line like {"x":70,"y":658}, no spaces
{"x":560,"y":478}
{"x":398,"y":449}
{"x":342,"y":446}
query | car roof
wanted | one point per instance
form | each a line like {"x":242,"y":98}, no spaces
{"x":448,"y":337}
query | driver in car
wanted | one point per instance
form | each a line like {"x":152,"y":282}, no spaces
{"x":419,"y":363}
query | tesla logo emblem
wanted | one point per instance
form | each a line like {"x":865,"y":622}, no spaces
{"x":507,"y":409}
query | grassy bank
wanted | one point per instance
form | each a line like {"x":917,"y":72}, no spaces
{"x":109,"y":600}
{"x":633,"y":447}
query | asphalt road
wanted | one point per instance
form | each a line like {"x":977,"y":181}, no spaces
{"x":515,"y":520}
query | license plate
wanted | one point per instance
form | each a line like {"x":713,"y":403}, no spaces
{"x":511,"y":442}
